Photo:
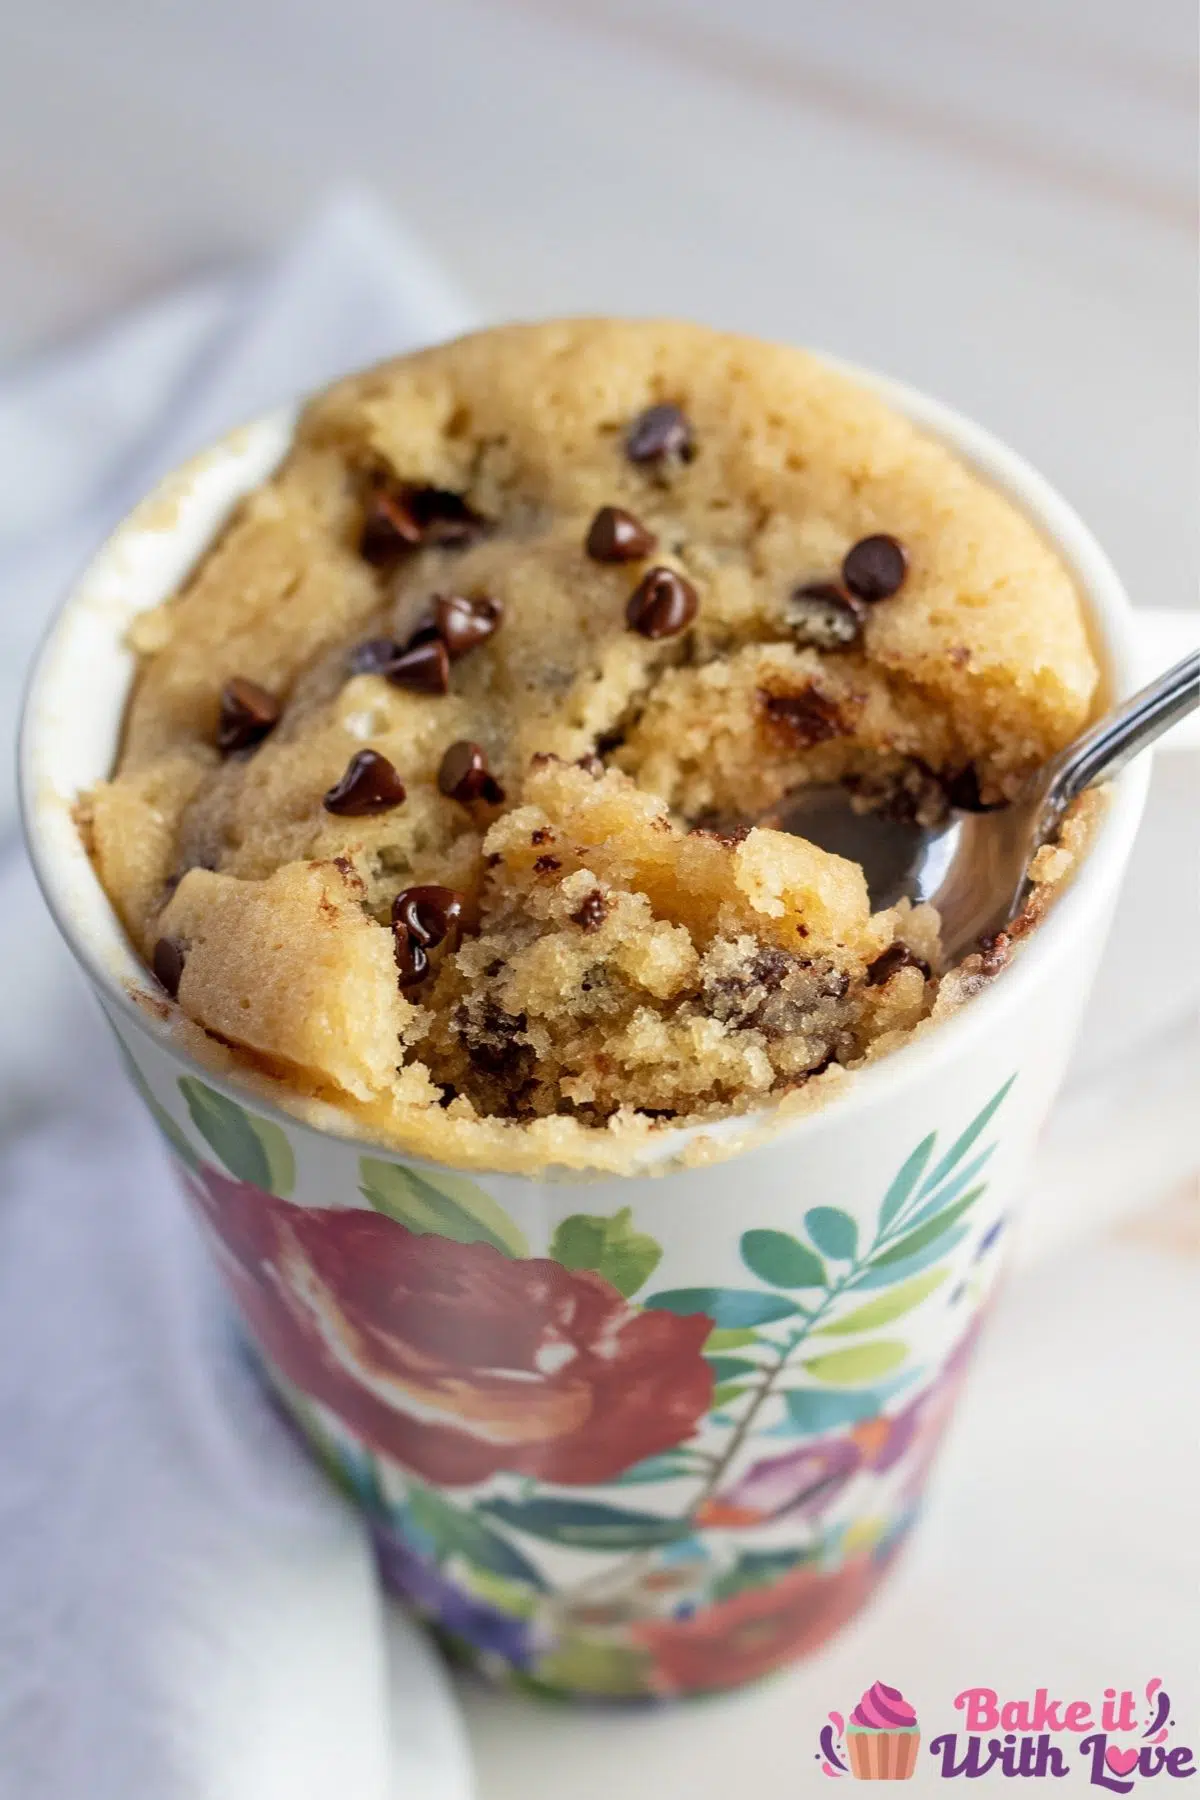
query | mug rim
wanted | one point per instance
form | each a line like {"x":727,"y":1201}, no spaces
{"x":88,"y":921}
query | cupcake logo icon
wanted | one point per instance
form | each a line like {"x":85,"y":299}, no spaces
{"x":878,"y":1742}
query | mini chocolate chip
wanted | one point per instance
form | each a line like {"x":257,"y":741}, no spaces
{"x":962,"y":790}
{"x":809,"y":717}
{"x":389,"y":527}
{"x":592,"y":911}
{"x":412,"y":963}
{"x":662,"y":604}
{"x":616,"y":536}
{"x":428,"y":914}
{"x":463,"y":622}
{"x":370,"y":785}
{"x":464,"y":775}
{"x":820,"y":614}
{"x":542,"y":835}
{"x":875,"y":567}
{"x":167,"y":963}
{"x":444,"y":517}
{"x":423,"y":917}
{"x":896,"y":956}
{"x":374,"y":656}
{"x":400,"y":517}
{"x":660,"y":432}
{"x":423,"y":667}
{"x":546,"y":865}
{"x":248,"y":713}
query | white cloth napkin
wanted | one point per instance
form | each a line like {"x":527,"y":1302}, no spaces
{"x":187,"y":1610}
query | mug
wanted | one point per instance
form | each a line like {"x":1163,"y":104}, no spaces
{"x":650,"y":1434}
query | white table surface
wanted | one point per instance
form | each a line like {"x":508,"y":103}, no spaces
{"x":992,"y":201}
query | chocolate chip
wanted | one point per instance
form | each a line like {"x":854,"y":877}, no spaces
{"x":370,"y":785}
{"x":896,"y":956}
{"x":412,"y":962}
{"x":388,"y":528}
{"x":167,"y":963}
{"x":820,"y":614}
{"x":424,"y":667}
{"x":428,"y":914}
{"x":962,"y":790}
{"x":444,"y":517}
{"x":374,"y":656}
{"x":616,"y":536}
{"x":875,"y":567}
{"x":546,"y":865}
{"x":422,"y":917}
{"x":463,"y":622}
{"x":662,"y":604}
{"x":401,"y":517}
{"x":464,"y":775}
{"x":248,"y":713}
{"x":809,"y":717}
{"x":658,"y":433}
{"x":490,"y":1042}
{"x":592,"y":911}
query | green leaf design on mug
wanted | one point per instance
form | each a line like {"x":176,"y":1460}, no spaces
{"x":888,"y":1274}
{"x":732,"y":1368}
{"x":832,"y":1231}
{"x":448,"y":1205}
{"x":760,"y":1568}
{"x":811,"y":1411}
{"x":928,"y":1233}
{"x":251,"y":1148}
{"x":865,"y":1362}
{"x":731,"y":1339}
{"x":668,"y":1466}
{"x":782,"y":1260}
{"x":456,"y":1532}
{"x":905,"y":1181}
{"x":893,"y":1304}
{"x":589,"y":1666}
{"x":949,"y":1190}
{"x":962,"y":1144}
{"x":724,"y":1392}
{"x":608,"y":1245}
{"x":729,"y":1308}
{"x":586,"y":1524}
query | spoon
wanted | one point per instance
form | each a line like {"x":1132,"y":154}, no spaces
{"x":974,"y":867}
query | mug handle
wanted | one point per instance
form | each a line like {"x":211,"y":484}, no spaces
{"x":1164,"y":637}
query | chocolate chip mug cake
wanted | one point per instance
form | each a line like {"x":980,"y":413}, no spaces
{"x":436,"y":803}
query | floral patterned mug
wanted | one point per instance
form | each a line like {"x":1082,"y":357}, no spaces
{"x":654,"y":1434}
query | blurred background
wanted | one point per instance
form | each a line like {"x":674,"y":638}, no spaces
{"x":995,"y":202}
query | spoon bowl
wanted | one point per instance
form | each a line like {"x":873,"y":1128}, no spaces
{"x":974,"y":866}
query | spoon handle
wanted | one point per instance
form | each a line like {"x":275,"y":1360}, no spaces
{"x":1104,"y":751}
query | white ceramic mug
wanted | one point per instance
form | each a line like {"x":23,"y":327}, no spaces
{"x":650,"y":1434}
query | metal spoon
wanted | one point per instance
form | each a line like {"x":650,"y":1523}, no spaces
{"x":975,"y":867}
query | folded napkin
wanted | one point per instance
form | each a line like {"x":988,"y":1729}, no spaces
{"x":187,"y":1610}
